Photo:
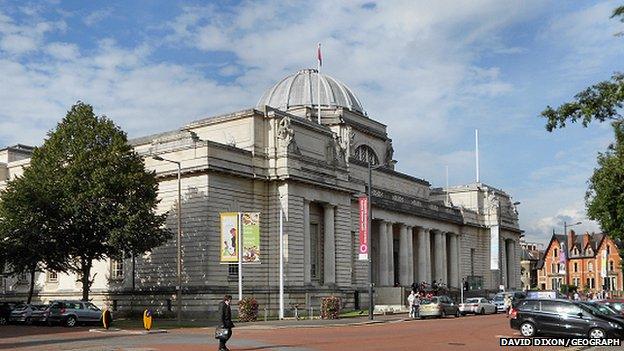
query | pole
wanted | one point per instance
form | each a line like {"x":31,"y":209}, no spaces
{"x":179,"y":287}
{"x":318,"y":86}
{"x":477,"y":152}
{"x":240,"y":257}
{"x":447,"y":186}
{"x":281,"y":264}
{"x":565,"y":262}
{"x":371,"y":303}
{"x":461,"y":289}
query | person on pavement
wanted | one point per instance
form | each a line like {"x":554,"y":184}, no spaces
{"x":226,"y":320}
{"x":410,"y":303}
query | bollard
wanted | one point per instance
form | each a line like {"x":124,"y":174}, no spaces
{"x":147,"y":319}
{"x":311,"y":312}
{"x":266,"y":314}
{"x":296,"y":313}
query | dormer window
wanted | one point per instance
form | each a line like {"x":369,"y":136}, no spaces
{"x":366,"y":154}
{"x":555,"y":252}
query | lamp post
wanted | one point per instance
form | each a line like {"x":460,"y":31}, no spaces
{"x":565,"y":232}
{"x":179,"y":244}
{"x":371,"y":302}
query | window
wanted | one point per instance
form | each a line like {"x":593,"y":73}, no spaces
{"x":52,"y":277}
{"x":366,"y":154}
{"x":553,"y":268}
{"x":608,"y":250}
{"x":314,"y":251}
{"x":611,"y":266}
{"x":530,"y":305}
{"x":590,"y":266}
{"x":233,"y":270}
{"x":575,"y":267}
{"x":555,"y":252}
{"x":117,"y":269}
{"x":576,"y":282}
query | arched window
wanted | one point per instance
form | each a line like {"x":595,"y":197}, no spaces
{"x":590,"y":267}
{"x":366,"y":154}
{"x":611,"y":266}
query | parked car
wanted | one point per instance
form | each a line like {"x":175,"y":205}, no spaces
{"x":438,"y":306}
{"x":71,"y":313}
{"x":499,"y":299}
{"x":562,"y":318}
{"x":27,"y":313}
{"x":616,"y":304}
{"x":598,"y":308}
{"x":477,"y":305}
{"x":5,"y":311}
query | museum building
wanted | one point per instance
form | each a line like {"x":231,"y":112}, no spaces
{"x":277,"y":158}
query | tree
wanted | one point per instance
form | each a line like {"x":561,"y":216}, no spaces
{"x":600,"y":102}
{"x":605,"y":196}
{"x":107,"y":199}
{"x":25,"y":222}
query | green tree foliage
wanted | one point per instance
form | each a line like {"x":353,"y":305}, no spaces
{"x":106,"y":198}
{"x":27,"y":216}
{"x":605,"y":196}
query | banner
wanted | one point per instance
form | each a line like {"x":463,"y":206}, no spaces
{"x":229,"y":237}
{"x":603,"y":264}
{"x":494,"y":242}
{"x":251,"y":237}
{"x":364,"y":230}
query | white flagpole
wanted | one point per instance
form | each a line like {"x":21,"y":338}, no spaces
{"x":477,"y":152}
{"x":318,"y":87}
{"x":281,"y":264}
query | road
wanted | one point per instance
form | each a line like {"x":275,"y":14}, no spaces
{"x":479,"y":333}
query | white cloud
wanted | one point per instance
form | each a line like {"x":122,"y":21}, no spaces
{"x":97,"y":16}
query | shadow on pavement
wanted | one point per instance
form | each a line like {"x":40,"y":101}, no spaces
{"x":265,"y":347}
{"x":31,"y":343}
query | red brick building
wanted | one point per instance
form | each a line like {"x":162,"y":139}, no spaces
{"x":589,"y":261}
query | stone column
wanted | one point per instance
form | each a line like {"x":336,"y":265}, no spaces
{"x":410,"y":255}
{"x":503,"y":261}
{"x":439,"y":256}
{"x":404,"y":257}
{"x":510,"y":264}
{"x":390,"y":253}
{"x":445,"y":261}
{"x":424,"y":266}
{"x":453,"y":261}
{"x":306,"y":242}
{"x":383,"y":253}
{"x":329,"y":259}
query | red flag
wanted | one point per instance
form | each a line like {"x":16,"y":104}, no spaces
{"x":319,"y":57}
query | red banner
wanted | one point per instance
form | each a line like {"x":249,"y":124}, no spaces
{"x":364,"y":230}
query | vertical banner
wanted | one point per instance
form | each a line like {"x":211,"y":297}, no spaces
{"x":251,"y":237}
{"x":603,"y":264}
{"x":364,"y":230}
{"x":229,"y":237}
{"x":494,"y":249}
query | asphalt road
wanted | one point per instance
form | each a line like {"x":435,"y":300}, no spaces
{"x":479,"y":333}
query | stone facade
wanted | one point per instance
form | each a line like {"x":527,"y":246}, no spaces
{"x":264,"y":160}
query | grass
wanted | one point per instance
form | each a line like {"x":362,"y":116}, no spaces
{"x":130,"y":323}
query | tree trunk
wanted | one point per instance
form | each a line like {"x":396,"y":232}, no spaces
{"x":86,"y":273}
{"x":32,"y":283}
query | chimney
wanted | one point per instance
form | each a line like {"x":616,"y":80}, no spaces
{"x":571,"y":237}
{"x":586,"y":239}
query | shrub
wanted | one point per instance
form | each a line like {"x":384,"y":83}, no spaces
{"x":330,"y":307}
{"x":248,"y":309}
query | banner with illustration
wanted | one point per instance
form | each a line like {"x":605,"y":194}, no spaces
{"x":251,"y":237}
{"x":229,"y":237}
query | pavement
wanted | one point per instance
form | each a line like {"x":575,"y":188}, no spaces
{"x":389,"y":332}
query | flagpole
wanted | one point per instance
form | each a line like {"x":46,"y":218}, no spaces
{"x":318,"y":88}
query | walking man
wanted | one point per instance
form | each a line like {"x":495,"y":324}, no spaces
{"x":226,"y":320}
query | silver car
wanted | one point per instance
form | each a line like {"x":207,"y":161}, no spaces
{"x":27,"y":313}
{"x":71,"y":313}
{"x":477,"y":305}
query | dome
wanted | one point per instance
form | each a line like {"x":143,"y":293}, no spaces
{"x":300,"y":89}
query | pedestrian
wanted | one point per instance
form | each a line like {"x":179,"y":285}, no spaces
{"x":577,"y":297}
{"x":226,"y":320}
{"x":507,"y":304}
{"x":417,"y":306}
{"x":410,"y":304}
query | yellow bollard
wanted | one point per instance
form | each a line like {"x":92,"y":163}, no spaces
{"x":147,"y":319}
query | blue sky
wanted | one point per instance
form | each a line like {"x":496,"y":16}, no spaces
{"x":431,"y":72}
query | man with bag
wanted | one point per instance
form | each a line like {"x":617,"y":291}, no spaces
{"x":224,"y":332}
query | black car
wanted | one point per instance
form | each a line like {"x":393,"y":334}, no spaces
{"x":600,"y":309}
{"x":562,"y":318}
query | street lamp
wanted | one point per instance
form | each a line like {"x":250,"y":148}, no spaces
{"x":179,"y":211}
{"x":565,"y":233}
{"x":371,"y":303}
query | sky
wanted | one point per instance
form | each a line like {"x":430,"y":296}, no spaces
{"x":433,"y":72}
